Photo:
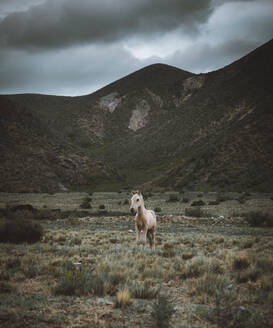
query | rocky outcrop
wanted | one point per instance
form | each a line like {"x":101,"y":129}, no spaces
{"x":139,"y":117}
{"x":110,"y":102}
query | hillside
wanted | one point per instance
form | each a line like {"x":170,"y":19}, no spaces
{"x":232,"y":146}
{"x":33,"y":160}
{"x":164,"y":127}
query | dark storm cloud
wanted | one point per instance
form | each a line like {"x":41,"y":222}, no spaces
{"x":73,"y":47}
{"x":66,"y":22}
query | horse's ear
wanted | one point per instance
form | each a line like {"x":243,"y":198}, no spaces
{"x":139,"y":192}
{"x":133,"y":192}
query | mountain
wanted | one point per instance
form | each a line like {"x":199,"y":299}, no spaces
{"x":160,"y":126}
{"x":231,"y":148}
{"x":34,"y":160}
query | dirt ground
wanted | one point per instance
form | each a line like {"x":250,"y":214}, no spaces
{"x":212,"y":271}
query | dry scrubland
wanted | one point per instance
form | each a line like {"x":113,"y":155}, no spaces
{"x":86,"y":270}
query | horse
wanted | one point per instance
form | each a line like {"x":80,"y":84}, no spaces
{"x":145,"y":220}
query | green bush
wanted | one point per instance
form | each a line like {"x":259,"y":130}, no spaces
{"x":20,"y":231}
{"x":172,"y":198}
{"x":78,"y":281}
{"x":258,"y":219}
{"x":162,"y":312}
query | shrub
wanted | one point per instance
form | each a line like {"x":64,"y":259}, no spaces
{"x":76,"y":281}
{"x":258,"y":219}
{"x":187,"y":255}
{"x":214,"y":202}
{"x":193,"y":212}
{"x":140,"y":289}
{"x":21,"y":207}
{"x":126,"y":202}
{"x":102,"y":207}
{"x":250,"y":274}
{"x":72,"y":281}
{"x":20,"y":231}
{"x":123,"y":298}
{"x":240,"y":262}
{"x":11,"y":214}
{"x":172,"y":198}
{"x":157,"y":209}
{"x":212,"y":288}
{"x":185,"y":200}
{"x":162,"y":311}
{"x":86,"y":203}
{"x":193,"y":269}
{"x":198,"y":203}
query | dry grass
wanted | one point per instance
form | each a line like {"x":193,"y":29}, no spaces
{"x":210,"y":272}
{"x":123,"y":298}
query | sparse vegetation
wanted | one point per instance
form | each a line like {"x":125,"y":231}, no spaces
{"x":213,"y":271}
{"x":143,"y":290}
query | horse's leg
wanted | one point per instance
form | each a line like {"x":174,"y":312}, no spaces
{"x":150,"y":237}
{"x":145,"y":231}
{"x":137,"y":234}
{"x":153,"y":237}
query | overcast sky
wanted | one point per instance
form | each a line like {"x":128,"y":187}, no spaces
{"x":74,"y":47}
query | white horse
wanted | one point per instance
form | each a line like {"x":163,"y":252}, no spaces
{"x":145,"y":219}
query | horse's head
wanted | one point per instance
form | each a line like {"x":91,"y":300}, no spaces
{"x":136,"y":202}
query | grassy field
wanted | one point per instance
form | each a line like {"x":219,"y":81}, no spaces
{"x":211,"y":266}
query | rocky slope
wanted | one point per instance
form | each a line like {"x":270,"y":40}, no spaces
{"x":231,"y":148}
{"x":166,"y":127}
{"x":33,"y":160}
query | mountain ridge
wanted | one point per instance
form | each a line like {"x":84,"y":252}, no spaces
{"x":168,"y":128}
